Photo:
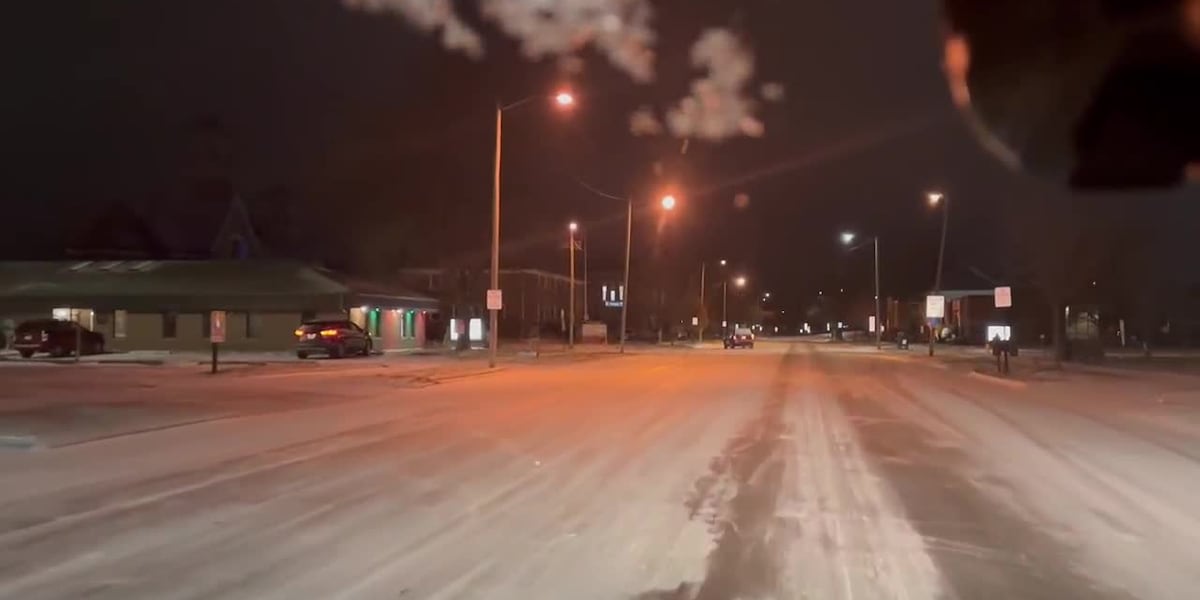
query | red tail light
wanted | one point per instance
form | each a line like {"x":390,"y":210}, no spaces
{"x":329,"y":333}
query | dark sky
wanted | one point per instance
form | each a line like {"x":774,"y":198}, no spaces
{"x":381,"y":139}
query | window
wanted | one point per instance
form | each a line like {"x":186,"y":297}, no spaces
{"x":119,"y":318}
{"x":205,"y":324}
{"x":253,"y":325}
{"x":168,"y":325}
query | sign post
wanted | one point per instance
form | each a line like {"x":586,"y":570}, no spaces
{"x":935,"y":309}
{"x":216,"y":334}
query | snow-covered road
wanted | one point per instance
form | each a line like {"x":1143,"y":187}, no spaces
{"x":790,"y":471}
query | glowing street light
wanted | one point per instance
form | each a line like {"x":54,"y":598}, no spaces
{"x":724,"y":262}
{"x":935,"y":199}
{"x":847,"y":239}
{"x":739,"y":281}
{"x":563,"y":99}
{"x":668,"y":202}
{"x":573,"y":226}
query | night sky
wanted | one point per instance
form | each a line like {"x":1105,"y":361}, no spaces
{"x":378,"y":138}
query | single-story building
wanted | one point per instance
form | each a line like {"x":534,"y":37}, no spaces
{"x":166,"y":304}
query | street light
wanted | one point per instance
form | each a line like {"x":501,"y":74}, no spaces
{"x":936,"y":198}
{"x":667,"y":203}
{"x":847,"y":238}
{"x":739,"y":281}
{"x":563,"y":99}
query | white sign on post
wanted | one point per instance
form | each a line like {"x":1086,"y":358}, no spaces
{"x":1004,"y":297}
{"x":935,"y":307}
{"x":871,"y":324}
{"x":495,"y":300}
{"x":216,"y":327}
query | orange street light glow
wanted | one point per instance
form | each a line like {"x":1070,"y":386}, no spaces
{"x":564,"y":99}
{"x":740,"y":282}
{"x":668,"y":202}
{"x":573,"y":226}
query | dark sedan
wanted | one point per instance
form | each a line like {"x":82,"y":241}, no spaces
{"x":334,"y":339}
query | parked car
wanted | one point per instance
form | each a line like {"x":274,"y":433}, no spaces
{"x":334,"y":339}
{"x":56,"y":338}
{"x":741,"y":337}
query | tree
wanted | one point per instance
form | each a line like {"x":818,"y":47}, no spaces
{"x":1059,"y":245}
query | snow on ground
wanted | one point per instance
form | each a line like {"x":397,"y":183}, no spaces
{"x":789,"y":471}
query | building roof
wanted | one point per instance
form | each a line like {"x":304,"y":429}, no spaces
{"x":263,"y":285}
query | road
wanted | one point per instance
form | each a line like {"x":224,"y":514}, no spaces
{"x":788,"y":471}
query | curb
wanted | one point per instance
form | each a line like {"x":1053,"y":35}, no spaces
{"x":1001,"y":381}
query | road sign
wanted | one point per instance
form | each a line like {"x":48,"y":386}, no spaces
{"x":495,"y":300}
{"x":935,"y":307}
{"x":871,"y":323}
{"x":216,"y":327}
{"x":1003,"y":297}
{"x":695,"y":321}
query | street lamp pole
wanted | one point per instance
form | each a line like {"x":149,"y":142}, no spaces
{"x":878,"y":322}
{"x":583,"y":248}
{"x":571,"y":302}
{"x":625,"y":290}
{"x":935,"y":198}
{"x":564,"y":99}
{"x":702,"y":321}
{"x":847,"y":239}
{"x":724,"y":307}
{"x":493,"y":313}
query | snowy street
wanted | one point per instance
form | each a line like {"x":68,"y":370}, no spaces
{"x":793,"y":470}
